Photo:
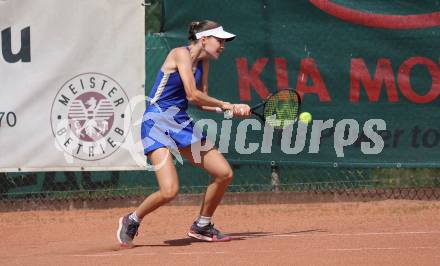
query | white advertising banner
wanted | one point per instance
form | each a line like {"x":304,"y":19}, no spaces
{"x":71,"y":85}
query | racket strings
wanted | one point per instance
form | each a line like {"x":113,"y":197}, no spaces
{"x":282,"y":109}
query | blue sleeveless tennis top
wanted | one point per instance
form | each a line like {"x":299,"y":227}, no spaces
{"x":165,"y":122}
{"x":168,"y":89}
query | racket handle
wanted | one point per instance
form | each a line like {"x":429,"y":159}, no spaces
{"x":228,"y":114}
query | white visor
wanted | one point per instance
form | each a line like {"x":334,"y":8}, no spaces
{"x":217,"y":32}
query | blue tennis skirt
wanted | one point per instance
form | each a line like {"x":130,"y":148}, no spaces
{"x":171,"y":128}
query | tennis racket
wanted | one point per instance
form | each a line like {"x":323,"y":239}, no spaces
{"x":280,"y":109}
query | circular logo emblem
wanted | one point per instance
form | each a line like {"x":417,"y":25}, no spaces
{"x":87,"y":116}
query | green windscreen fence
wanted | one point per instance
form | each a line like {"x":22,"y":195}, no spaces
{"x":352,"y":60}
{"x":355,"y":63}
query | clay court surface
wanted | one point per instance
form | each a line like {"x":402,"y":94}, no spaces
{"x":393,"y":232}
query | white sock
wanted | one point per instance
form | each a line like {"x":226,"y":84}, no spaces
{"x":134,"y":217}
{"x":203,"y":221}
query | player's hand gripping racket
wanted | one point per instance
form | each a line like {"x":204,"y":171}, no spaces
{"x":280,"y":109}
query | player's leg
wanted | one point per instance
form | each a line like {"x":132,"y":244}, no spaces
{"x":213,"y":162}
{"x":168,"y":182}
{"x":167,"y":178}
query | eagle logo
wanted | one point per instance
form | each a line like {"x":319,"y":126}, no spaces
{"x":91,"y":116}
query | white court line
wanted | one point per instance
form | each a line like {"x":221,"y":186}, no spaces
{"x":265,"y":251}
{"x":389,"y":248}
{"x":113,"y":254}
{"x":143,"y":254}
{"x":358,"y":234}
{"x":196,"y":253}
{"x":98,"y":255}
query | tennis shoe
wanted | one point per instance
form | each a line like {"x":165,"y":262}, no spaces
{"x":207,"y":233}
{"x":127,"y":230}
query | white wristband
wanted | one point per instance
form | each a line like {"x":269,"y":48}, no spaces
{"x":228,"y":114}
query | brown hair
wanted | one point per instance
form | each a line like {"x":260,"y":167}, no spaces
{"x":199,"y":26}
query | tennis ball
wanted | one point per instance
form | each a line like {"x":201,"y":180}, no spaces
{"x":305,"y":117}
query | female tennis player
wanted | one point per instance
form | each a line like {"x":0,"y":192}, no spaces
{"x":166,"y":126}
